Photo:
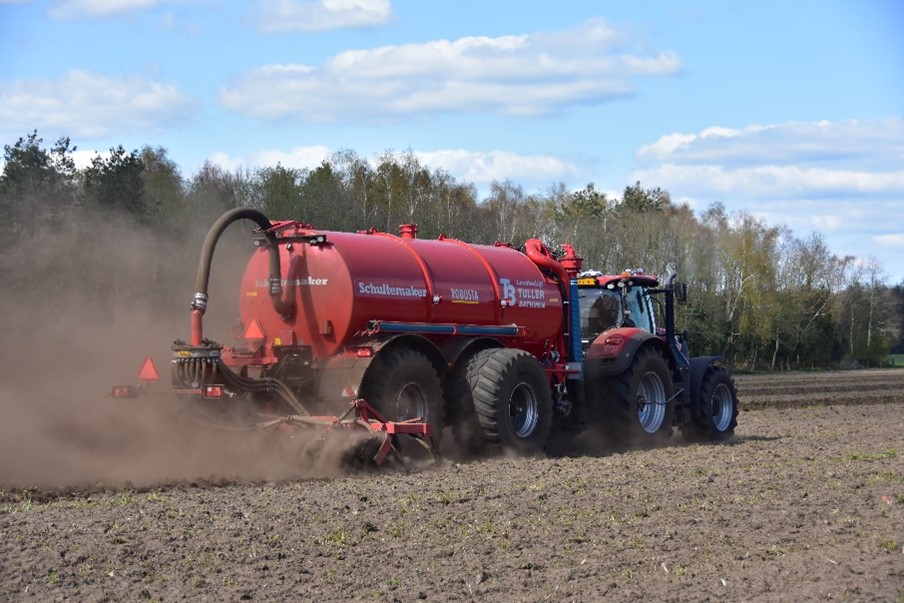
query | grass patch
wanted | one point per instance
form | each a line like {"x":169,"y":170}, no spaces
{"x":339,"y":537}
{"x":886,"y":477}
{"x":864,"y":456}
{"x":888,"y":545}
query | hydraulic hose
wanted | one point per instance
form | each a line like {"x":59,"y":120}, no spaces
{"x":285,"y":307}
{"x":192,"y":373}
{"x":267,"y":385}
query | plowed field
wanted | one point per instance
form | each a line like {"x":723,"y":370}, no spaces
{"x":805,"y":503}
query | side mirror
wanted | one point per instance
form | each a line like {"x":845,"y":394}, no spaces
{"x":681,"y":293}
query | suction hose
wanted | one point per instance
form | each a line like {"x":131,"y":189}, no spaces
{"x":285,"y":307}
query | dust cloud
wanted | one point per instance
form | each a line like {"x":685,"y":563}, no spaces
{"x":83,"y":317}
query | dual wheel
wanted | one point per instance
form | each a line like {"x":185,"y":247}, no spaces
{"x":501,"y":397}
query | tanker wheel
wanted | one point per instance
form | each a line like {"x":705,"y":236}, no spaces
{"x":512,"y":399}
{"x":403,"y":384}
{"x":718,"y":406}
{"x":637,"y":404}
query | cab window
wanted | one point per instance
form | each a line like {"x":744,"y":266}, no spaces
{"x":640,"y":311}
{"x":600,"y":310}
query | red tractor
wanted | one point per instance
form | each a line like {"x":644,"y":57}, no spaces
{"x":410,"y":336}
{"x":638,"y":370}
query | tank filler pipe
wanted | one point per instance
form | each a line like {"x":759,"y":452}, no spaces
{"x":285,"y":307}
{"x":539,"y":254}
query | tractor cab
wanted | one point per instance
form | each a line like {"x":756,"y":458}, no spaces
{"x":615,"y":301}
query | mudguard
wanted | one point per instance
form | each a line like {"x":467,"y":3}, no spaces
{"x":339,"y":376}
{"x":612,"y":352}
{"x":698,"y":367}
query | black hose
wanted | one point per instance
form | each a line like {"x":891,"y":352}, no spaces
{"x":266,"y":385}
{"x":285,"y":307}
{"x":197,"y":372}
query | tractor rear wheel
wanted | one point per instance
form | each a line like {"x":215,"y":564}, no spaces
{"x":512,"y":399}
{"x":637,"y":405}
{"x":402,"y":384}
{"x":718,"y":406}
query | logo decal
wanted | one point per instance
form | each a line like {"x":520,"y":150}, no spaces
{"x":389,"y":290}
{"x":308,"y":281}
{"x":524,"y":294}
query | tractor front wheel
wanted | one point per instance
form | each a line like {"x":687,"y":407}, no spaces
{"x":718,"y":415}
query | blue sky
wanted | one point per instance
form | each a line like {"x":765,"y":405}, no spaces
{"x":792,"y":111}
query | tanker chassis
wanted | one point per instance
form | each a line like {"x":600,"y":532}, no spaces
{"x":495,"y":345}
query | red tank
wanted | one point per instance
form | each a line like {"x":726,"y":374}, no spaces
{"x":357,"y":277}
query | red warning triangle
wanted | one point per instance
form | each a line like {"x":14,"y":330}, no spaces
{"x":148,"y":371}
{"x":254,"y":331}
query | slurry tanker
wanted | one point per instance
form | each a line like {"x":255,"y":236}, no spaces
{"x":492,"y":345}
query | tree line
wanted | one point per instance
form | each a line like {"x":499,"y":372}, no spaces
{"x":126,"y":227}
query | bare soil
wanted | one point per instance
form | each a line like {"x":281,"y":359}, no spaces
{"x":806,"y":502}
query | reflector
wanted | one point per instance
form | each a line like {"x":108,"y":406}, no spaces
{"x":125,"y":391}
{"x":148,"y":371}
{"x":254,"y":331}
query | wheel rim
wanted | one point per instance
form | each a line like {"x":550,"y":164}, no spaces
{"x":651,"y":402}
{"x":722,"y":407}
{"x":411,"y":403}
{"x":524,"y":410}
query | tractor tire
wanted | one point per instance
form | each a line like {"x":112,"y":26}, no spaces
{"x":403,"y":384}
{"x":637,"y":406}
{"x":512,"y":400}
{"x":718,"y":406}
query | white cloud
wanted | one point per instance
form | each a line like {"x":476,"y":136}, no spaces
{"x":278,"y":16}
{"x":74,"y":10}
{"x":850,"y":144}
{"x":890,"y":240}
{"x":298,"y":157}
{"x":81,"y":9}
{"x":88,"y":104}
{"x":844,"y":179}
{"x":466,"y":166}
{"x":531,"y":74}
{"x":797,"y":160}
{"x":772,"y":182}
{"x":484,"y":168}
{"x":228,"y":162}
{"x":84,"y":157}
